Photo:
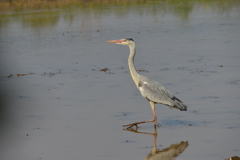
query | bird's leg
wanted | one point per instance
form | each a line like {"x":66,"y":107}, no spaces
{"x":152,"y":104}
{"x":153,"y":120}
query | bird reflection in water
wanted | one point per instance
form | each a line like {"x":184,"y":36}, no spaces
{"x":169,"y":153}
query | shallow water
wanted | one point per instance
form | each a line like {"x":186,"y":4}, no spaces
{"x":65,"y":107}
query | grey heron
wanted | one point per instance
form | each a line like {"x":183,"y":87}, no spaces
{"x":151,"y":90}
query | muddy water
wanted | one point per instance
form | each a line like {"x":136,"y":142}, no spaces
{"x":65,"y":92}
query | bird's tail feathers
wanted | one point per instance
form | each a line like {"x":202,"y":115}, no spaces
{"x":180,"y":106}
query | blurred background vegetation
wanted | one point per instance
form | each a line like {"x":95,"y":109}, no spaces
{"x":10,"y":6}
{"x":39,"y":13}
{"x":18,"y":5}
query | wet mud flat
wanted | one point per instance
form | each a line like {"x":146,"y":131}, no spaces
{"x":66,"y":92}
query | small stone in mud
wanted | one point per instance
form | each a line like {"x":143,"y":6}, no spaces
{"x":167,"y":69}
{"x":104,"y":69}
{"x":10,"y":75}
{"x":190,"y":124}
{"x":220,"y":66}
{"x":234,"y":158}
{"x":22,"y":74}
{"x":142,"y":70}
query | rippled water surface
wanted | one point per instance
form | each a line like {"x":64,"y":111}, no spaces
{"x":65,"y":92}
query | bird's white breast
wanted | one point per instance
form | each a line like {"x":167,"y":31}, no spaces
{"x":141,"y":88}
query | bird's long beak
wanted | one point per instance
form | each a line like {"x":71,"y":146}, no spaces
{"x":116,"y":41}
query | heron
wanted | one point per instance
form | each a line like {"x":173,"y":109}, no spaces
{"x":151,"y":90}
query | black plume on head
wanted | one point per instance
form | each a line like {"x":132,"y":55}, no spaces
{"x":129,"y":38}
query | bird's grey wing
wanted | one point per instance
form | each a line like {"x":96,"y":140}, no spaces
{"x":155,"y":92}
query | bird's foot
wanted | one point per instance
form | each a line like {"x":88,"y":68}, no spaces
{"x":136,"y":123}
{"x":157,"y":125}
{"x":131,"y":125}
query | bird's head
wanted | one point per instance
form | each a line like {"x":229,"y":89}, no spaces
{"x":125,"y":41}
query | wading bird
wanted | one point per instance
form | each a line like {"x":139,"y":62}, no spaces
{"x":153,"y":91}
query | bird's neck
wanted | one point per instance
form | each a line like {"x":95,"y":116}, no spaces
{"x":132,"y":69}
